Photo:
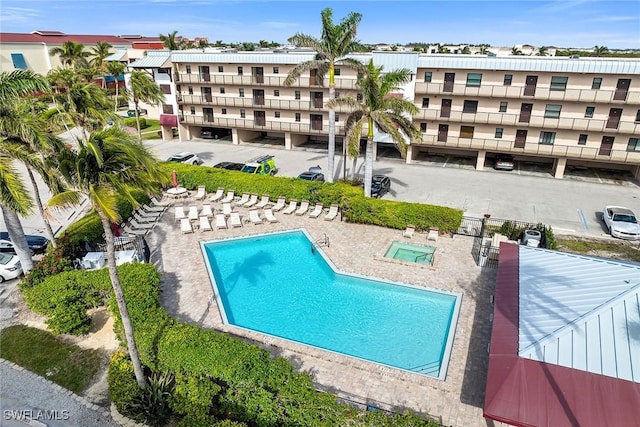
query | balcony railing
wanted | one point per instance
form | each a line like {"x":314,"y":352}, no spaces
{"x":248,"y":80}
{"x":275,"y":126}
{"x":542,"y":93}
{"x":532,"y":148}
{"x":270,"y":103}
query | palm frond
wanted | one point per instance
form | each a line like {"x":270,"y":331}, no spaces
{"x":13,"y":193}
{"x":297,"y":71}
{"x":65,"y":199}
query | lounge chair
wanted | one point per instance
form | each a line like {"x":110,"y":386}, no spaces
{"x":185,"y":226}
{"x":234,"y":219}
{"x":268,"y":214}
{"x":202,"y":193}
{"x":293,"y":203}
{"x":133,"y":231}
{"x":252,"y":201}
{"x":264,"y":201}
{"x":229,"y":197}
{"x":148,"y":208}
{"x":179,"y":213}
{"x":206,"y":211}
{"x":408,"y":232}
{"x":433,"y":234}
{"x":157,"y":202}
{"x":254,"y":216}
{"x":317,"y":211}
{"x":217,"y":195}
{"x":221,"y":221}
{"x":244,"y":199}
{"x":279,"y":204}
{"x":142,"y":219}
{"x":205,"y":225}
{"x":193,"y":213}
{"x":136,"y":224}
{"x":226,"y":209}
{"x":147,"y":214}
{"x":333,"y":212}
{"x":304,"y":207}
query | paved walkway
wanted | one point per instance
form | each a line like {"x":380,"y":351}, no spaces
{"x":187,"y":294}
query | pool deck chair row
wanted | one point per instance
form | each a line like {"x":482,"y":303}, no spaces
{"x":332,"y":214}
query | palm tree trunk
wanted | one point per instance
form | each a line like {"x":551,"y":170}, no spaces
{"x":16,"y":234}
{"x":122,"y":306}
{"x":354,"y":164}
{"x":115,"y":110}
{"x":135,"y":102}
{"x":331,"y":154}
{"x":36,"y":195}
{"x":368,"y":167}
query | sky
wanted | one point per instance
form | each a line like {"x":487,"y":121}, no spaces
{"x":562,"y":23}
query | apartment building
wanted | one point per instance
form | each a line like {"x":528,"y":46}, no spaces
{"x":558,"y":112}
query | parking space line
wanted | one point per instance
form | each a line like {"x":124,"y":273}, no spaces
{"x":595,"y":172}
{"x":445,"y":162}
{"x":584,"y":220}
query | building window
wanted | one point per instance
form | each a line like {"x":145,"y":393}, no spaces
{"x":474,"y":79}
{"x":359,"y":97}
{"x":241,"y":92}
{"x":221,"y":90}
{"x":508,"y":78}
{"x":167,"y":109}
{"x":240,"y":71}
{"x":503,"y":106}
{"x":582,"y":139}
{"x":276,"y":92}
{"x":558,"y":83}
{"x":637,"y":117}
{"x":337,"y":118}
{"x":466,"y":131}
{"x":297,"y":94}
{"x":499,"y":132}
{"x":547,"y":138}
{"x":276,"y":70}
{"x":220,"y":69}
{"x":634,"y":144}
{"x":423,"y":127}
{"x":224,"y":111}
{"x":425,"y":102}
{"x":336,"y":71}
{"x":470,"y":107}
{"x":588,"y":113}
{"x":427,"y":76}
{"x":552,"y":111}
{"x":190,"y":89}
{"x":276,"y":114}
{"x":188,"y":69}
{"x":597,"y":82}
{"x":243,"y":114}
{"x":166,"y":89}
{"x":192,"y":110}
{"x":297,"y":117}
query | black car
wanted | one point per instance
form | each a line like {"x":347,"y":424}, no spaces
{"x":37,"y":244}
{"x":312,"y":176}
{"x":229,"y":165}
{"x":380,"y":185}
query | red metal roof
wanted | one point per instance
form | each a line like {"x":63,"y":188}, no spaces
{"x":52,"y":37}
{"x":524,"y":392}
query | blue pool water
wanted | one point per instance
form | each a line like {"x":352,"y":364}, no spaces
{"x":410,"y":252}
{"x":276,"y":284}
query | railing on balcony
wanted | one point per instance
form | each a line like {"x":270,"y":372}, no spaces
{"x":248,"y":80}
{"x":271,"y":103}
{"x":276,"y":126}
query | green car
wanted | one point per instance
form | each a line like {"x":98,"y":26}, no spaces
{"x":263,"y":165}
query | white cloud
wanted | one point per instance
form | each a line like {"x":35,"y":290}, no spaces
{"x":19,"y":15}
{"x":614,"y":19}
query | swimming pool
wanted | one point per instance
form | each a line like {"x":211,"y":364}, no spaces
{"x":276,"y":284}
{"x":411,"y":252}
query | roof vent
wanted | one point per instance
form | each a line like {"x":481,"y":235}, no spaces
{"x":48,"y":33}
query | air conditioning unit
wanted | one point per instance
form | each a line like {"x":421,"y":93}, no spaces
{"x":532,"y":238}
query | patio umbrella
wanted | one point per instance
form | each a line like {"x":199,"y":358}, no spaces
{"x":174,"y":175}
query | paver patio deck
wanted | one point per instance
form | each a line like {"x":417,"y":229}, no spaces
{"x":188,"y":295}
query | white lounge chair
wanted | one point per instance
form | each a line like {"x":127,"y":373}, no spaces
{"x":143,"y":219}
{"x":333,"y":212}
{"x":206,"y":211}
{"x":157,"y":202}
{"x":279,"y":204}
{"x":136,"y":224}
{"x":293,"y":203}
{"x":185,"y":226}
{"x":205,"y":225}
{"x":226,"y":209}
{"x":304,"y":207}
{"x":217,"y":195}
{"x":193,"y":213}
{"x":252,"y":201}
{"x":179,"y":213}
{"x":268,"y":214}
{"x":433,"y":234}
{"x":264,"y":201}
{"x":133,"y":231}
{"x":408,"y":232}
{"x":157,"y":209}
{"x":229,"y":197}
{"x":254,"y":216}
{"x":317,"y":211}
{"x":244,"y":199}
{"x":234,"y":219}
{"x":202,"y":193}
{"x":221,"y":221}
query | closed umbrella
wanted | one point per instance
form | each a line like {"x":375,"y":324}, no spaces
{"x":174,"y":175}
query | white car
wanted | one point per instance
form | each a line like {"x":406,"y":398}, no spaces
{"x":10,"y":267}
{"x":621,"y":222}
{"x":186,"y":157}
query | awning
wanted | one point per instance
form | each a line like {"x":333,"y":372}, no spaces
{"x":169,"y":120}
{"x":18,"y":61}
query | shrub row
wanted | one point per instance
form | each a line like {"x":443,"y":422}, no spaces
{"x":131,"y":122}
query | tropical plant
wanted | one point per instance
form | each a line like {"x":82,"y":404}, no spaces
{"x":72,"y":54}
{"x":169,"y":40}
{"x":600,"y":50}
{"x":379,"y":109}
{"x":115,"y":69}
{"x":443,"y":49}
{"x":484,"y":49}
{"x":516,"y":51}
{"x":109,"y":165}
{"x":466,"y":50}
{"x":543,"y":51}
{"x":98,"y":53}
{"x":336,"y":41}
{"x":144,"y":89}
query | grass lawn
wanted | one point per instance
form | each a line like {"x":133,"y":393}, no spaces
{"x":151,"y":132}
{"x":624,"y":251}
{"x":42,"y":353}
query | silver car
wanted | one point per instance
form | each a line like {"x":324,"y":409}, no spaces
{"x":621,"y":222}
{"x":10,"y":267}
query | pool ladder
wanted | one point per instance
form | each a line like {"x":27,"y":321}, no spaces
{"x":318,"y":243}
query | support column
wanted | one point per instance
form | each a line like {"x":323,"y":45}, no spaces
{"x":482,"y":156}
{"x":560,"y":164}
{"x":287,"y":140}
{"x":375,"y":151}
{"x":235,"y":139}
{"x":409,"y":158}
{"x":636,"y":171}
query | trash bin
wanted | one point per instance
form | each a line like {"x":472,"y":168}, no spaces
{"x":531,"y":235}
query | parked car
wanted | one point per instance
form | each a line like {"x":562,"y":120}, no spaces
{"x":380,"y":185}
{"x":37,"y":244}
{"x":504,"y":162}
{"x":621,"y":222}
{"x":229,"y":165}
{"x":207,"y":133}
{"x":262,"y":165}
{"x":186,"y":157}
{"x":10,"y":267}
{"x":312,"y":176}
{"x":141,"y":112}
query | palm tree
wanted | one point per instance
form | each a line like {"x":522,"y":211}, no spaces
{"x":465,"y":50}
{"x":169,"y":40}
{"x":543,"y":51}
{"x":484,"y":49}
{"x":515,"y":51}
{"x":110,"y":165}
{"x":71,"y":54}
{"x":335,"y":42}
{"x":98,"y":53}
{"x":600,"y":50}
{"x":115,"y":69}
{"x":144,"y":89}
{"x":377,"y":109}
{"x":443,"y":49}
